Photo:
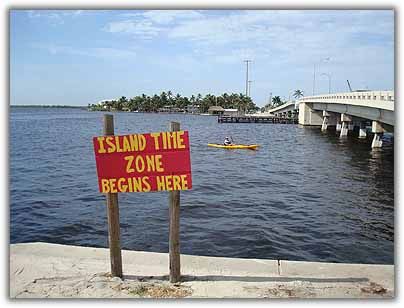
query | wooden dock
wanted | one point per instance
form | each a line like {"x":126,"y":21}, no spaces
{"x":250,"y":119}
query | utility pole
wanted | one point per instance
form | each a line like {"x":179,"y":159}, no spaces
{"x":314,"y":78}
{"x":249,"y":87}
{"x":246,"y":80}
{"x":270,"y":99}
{"x":314,"y":72}
{"x":329,"y":81}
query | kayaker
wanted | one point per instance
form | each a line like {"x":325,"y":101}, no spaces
{"x":227,"y":141}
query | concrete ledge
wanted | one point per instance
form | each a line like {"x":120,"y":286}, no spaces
{"x":51,"y":270}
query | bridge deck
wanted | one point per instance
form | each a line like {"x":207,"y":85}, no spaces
{"x":247,"y":119}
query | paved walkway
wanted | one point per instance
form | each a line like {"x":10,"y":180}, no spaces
{"x":55,"y":271}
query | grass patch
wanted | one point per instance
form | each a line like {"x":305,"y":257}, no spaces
{"x":160,"y":291}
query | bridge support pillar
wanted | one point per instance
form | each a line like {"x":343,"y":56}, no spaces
{"x":346,"y":121}
{"x":326,"y":116}
{"x":338,"y":126}
{"x":344,"y":130}
{"x":325,"y":124}
{"x":377,"y":129}
{"x":362,"y":133}
{"x":377,"y":141}
{"x":362,"y":130}
{"x":309,"y":116}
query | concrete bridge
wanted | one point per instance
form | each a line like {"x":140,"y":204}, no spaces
{"x":348,"y":110}
{"x":289,"y":109}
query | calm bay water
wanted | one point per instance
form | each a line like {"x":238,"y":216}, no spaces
{"x":303,"y":195}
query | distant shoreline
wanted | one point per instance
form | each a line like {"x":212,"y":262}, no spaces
{"x":47,"y":106}
{"x":86,"y":108}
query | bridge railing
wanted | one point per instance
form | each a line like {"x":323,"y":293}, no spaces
{"x":356,"y":95}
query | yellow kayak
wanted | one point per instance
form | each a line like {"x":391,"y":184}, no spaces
{"x":234,"y":146}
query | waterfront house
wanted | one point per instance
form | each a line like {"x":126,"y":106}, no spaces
{"x":169,"y":108}
{"x":231,"y":112}
{"x":192,"y":108}
{"x":216,"y":110}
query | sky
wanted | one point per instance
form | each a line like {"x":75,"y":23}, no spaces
{"x":77,"y":57}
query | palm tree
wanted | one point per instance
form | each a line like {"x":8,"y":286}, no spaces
{"x":121,"y":103}
{"x":297,"y":94}
{"x":170,"y":98}
{"x":164,"y":98}
{"x":155,"y":103}
{"x":276,"y":101}
{"x":192,"y":100}
{"x":226,"y":100}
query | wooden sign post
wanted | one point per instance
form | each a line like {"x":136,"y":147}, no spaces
{"x":157,"y":161}
{"x":174,"y":236}
{"x":113,"y":214}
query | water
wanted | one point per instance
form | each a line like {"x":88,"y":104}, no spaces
{"x":303,"y":195}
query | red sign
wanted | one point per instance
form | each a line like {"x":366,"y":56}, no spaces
{"x":143,"y":162}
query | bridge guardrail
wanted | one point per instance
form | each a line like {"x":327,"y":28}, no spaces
{"x":358,"y":95}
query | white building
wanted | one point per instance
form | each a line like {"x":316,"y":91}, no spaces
{"x":230,"y":112}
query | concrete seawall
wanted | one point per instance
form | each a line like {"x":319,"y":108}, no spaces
{"x":58,"y":271}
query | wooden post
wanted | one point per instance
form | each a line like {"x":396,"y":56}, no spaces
{"x":113,"y":215}
{"x":174,"y":237}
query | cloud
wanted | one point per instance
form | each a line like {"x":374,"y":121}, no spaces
{"x":54,"y":17}
{"x":283,"y":45}
{"x":165,"y":16}
{"x":286,"y":36}
{"x":277,"y":41}
{"x":149,"y":24}
{"x":143,"y":29}
{"x":33,"y":14}
{"x":169,"y":16}
{"x":98,"y":52}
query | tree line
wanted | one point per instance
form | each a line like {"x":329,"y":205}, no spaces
{"x":154,"y":103}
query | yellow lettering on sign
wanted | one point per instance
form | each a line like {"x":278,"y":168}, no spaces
{"x":176,"y":182}
{"x":156,"y":140}
{"x":142,"y":142}
{"x":145,"y":182}
{"x":130,"y":185}
{"x":139,"y":164}
{"x":159,"y":163}
{"x":184,"y":181}
{"x":122,"y":187}
{"x":137,"y":184}
{"x":112,"y":184}
{"x":126,"y":144}
{"x":105,"y":186}
{"x":101,"y":148}
{"x":172,"y":136}
{"x":168,"y":140}
{"x":161,"y":185}
{"x":169,"y":183}
{"x":164,"y":139}
{"x":111,"y":145}
{"x":129,"y":168}
{"x":134,"y":145}
{"x":180,"y":139}
{"x":118,"y":146}
{"x":151,"y":166}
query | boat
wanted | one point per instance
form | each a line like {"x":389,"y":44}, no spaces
{"x":234,"y":146}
